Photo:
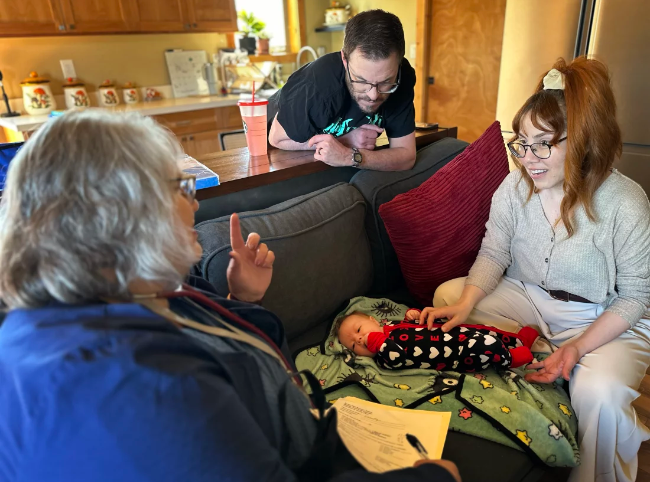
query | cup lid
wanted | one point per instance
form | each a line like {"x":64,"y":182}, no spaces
{"x":250,"y":103}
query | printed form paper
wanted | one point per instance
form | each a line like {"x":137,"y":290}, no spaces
{"x":376,"y":434}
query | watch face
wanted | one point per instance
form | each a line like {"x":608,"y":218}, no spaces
{"x":357,"y":157}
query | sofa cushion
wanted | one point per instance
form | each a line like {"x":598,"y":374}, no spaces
{"x":321,"y":249}
{"x":437,"y":228}
{"x":379,"y":187}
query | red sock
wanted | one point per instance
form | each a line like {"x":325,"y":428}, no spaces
{"x":520,"y":356}
{"x":528,"y":335}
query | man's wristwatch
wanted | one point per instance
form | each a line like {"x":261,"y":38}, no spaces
{"x":357,"y":157}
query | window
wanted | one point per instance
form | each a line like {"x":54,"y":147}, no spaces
{"x":271,"y":12}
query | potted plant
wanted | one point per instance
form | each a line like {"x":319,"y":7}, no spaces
{"x":263,"y":43}
{"x":251,"y":26}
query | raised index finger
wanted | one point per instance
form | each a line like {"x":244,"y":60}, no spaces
{"x":236,"y":239}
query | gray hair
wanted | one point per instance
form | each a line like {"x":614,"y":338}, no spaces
{"x":88,"y":208}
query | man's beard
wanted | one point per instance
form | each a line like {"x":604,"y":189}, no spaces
{"x":357,"y":97}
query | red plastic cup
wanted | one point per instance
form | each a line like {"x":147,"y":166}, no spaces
{"x":253,"y":115}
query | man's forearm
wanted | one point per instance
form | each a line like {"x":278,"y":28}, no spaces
{"x":279,"y":139}
{"x":289,"y":145}
{"x":391,"y":159}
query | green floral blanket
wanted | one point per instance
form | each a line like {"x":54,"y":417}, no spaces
{"x":496,"y":405}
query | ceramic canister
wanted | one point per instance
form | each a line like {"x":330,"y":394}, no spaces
{"x":37,"y":95}
{"x":337,"y":14}
{"x":108,"y":94}
{"x":130,"y":93}
{"x":75,"y":94}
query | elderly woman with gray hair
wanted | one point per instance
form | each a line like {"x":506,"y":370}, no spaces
{"x":112,"y":367}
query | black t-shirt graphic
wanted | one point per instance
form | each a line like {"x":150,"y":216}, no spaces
{"x":316,"y":100}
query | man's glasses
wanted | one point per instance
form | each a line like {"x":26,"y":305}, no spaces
{"x":361,"y":87}
{"x":187,"y":185}
{"x":542,"y":150}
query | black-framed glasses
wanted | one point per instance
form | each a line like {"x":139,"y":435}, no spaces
{"x":541,"y":150}
{"x":361,"y":86}
{"x":187,"y":186}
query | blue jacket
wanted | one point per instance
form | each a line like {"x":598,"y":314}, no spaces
{"x":116,"y":393}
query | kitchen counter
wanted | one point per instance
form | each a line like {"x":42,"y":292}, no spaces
{"x":28,"y":123}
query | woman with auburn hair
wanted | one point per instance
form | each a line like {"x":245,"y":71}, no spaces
{"x":567,"y":250}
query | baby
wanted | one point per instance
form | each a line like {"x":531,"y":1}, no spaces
{"x":407,"y":344}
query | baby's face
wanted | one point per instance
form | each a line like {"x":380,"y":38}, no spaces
{"x":353,"y":331}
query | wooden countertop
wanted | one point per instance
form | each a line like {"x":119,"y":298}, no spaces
{"x":238,"y":171}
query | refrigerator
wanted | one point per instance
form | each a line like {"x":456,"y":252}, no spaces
{"x":617,"y":32}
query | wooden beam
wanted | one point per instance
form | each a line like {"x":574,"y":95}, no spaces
{"x":302,"y":19}
{"x":423,"y":43}
{"x":294,"y":15}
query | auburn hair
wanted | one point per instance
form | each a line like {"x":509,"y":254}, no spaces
{"x":586,"y":111}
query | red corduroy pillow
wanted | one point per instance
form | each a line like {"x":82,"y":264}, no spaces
{"x":437,"y":228}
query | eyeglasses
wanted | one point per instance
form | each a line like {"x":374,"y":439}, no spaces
{"x":541,"y":150}
{"x":361,"y":87}
{"x":187,"y":186}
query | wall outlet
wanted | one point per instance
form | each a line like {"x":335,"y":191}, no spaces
{"x":413,"y":51}
{"x":67,"y":66}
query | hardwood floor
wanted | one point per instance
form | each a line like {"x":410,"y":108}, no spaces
{"x":642,"y":406}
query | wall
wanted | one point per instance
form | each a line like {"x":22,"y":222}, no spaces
{"x":121,"y":58}
{"x":315,"y":13}
{"x":315,"y":17}
{"x":526,"y":54}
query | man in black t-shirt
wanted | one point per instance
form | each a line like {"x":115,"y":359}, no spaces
{"x":339,"y":104}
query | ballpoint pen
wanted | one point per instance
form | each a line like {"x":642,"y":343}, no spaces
{"x":417,"y":445}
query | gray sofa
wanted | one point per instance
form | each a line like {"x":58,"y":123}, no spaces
{"x":330,"y":246}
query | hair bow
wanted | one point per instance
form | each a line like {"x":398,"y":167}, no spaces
{"x":554,"y":80}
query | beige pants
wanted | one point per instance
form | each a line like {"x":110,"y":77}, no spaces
{"x":603,"y":384}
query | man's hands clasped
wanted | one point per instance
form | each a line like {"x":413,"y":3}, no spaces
{"x":338,"y":151}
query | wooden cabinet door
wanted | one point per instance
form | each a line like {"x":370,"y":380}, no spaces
{"x":29,"y":17}
{"x":205,"y":143}
{"x":90,"y":16}
{"x":187,"y":142}
{"x":213,"y":15}
{"x":465,"y":60}
{"x":160,"y":16}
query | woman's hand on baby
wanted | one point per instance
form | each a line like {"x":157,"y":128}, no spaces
{"x":413,"y":314}
{"x":456,"y":314}
{"x":559,"y":363}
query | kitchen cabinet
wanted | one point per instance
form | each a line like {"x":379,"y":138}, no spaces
{"x":96,"y":16}
{"x":74,"y":17}
{"x":198,"y":131}
{"x":211,"y":15}
{"x":161,"y":15}
{"x":39,"y":17}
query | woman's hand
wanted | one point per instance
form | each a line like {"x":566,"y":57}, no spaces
{"x":251,"y":265}
{"x":559,"y":363}
{"x":413,"y":314}
{"x":448,"y":465}
{"x":456,"y":314}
